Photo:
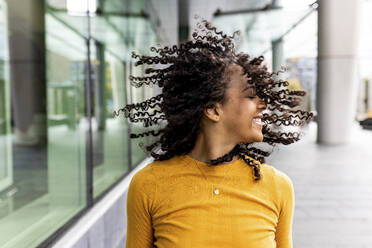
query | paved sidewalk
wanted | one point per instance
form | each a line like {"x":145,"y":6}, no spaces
{"x":333,"y":190}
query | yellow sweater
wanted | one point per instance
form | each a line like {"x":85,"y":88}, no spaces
{"x":170,"y":204}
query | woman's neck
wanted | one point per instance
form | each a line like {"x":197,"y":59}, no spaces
{"x":209,"y":147}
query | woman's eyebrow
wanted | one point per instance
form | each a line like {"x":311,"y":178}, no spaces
{"x":248,"y":87}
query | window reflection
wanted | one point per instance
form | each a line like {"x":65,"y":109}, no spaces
{"x":43,"y":110}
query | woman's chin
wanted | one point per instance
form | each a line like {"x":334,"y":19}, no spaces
{"x":260,"y":138}
{"x":255,"y":139}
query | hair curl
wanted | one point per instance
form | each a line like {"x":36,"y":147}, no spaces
{"x":194,"y":77}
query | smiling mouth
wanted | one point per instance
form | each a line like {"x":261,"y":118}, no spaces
{"x":258,"y":121}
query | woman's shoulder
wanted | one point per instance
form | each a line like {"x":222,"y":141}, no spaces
{"x":278,"y":181}
{"x":156,"y":168}
{"x":147,"y":178}
{"x":276,"y":175}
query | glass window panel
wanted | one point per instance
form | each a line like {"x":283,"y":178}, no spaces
{"x":109,"y":53}
{"x":300,"y":53}
{"x":115,"y":34}
{"x":143,"y":37}
{"x":110,"y":134}
{"x":258,"y":29}
{"x":42,"y":121}
{"x":115,"y":6}
{"x":137,"y":95}
{"x":6,"y":169}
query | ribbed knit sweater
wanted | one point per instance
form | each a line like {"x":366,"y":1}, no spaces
{"x":171,"y":204}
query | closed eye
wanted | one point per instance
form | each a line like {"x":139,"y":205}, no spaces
{"x":251,"y":97}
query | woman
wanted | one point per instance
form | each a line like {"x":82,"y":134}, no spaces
{"x":209,"y":185}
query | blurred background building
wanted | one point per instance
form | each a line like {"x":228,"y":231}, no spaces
{"x":66,"y":160}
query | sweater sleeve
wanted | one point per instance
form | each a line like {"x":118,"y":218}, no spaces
{"x":283,"y":234}
{"x":139,"y":225}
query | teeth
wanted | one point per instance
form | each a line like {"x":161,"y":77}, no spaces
{"x":258,"y":121}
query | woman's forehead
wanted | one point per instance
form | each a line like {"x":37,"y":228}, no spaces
{"x":238,"y":79}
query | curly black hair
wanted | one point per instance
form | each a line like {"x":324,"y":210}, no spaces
{"x":194,"y":76}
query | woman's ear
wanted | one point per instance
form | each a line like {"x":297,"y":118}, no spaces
{"x":214,"y":113}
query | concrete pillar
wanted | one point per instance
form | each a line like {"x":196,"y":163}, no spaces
{"x":277,"y":47}
{"x":338,"y":32}
{"x":183,"y":20}
{"x":278,"y":56}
